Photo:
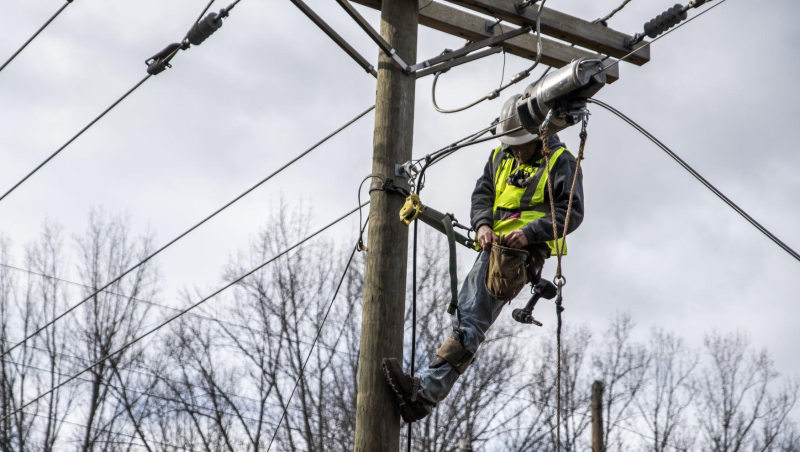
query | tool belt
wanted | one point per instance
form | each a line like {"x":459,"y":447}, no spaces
{"x":510,"y":269}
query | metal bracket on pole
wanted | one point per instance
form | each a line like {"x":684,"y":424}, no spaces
{"x":428,"y":64}
{"x":433,"y":218}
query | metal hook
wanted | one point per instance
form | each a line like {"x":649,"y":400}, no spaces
{"x":547,"y":119}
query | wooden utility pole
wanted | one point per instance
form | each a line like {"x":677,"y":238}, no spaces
{"x":377,"y":418}
{"x":597,"y":417}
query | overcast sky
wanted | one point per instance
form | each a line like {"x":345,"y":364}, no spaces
{"x":720,"y":91}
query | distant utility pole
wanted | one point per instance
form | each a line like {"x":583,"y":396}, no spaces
{"x":377,"y":419}
{"x":597,"y":417}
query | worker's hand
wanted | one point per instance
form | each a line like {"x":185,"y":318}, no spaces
{"x":486,"y":236}
{"x":515,"y":239}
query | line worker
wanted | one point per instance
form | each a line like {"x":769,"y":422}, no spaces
{"x":512,"y":217}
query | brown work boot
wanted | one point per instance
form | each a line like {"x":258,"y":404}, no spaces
{"x":412,"y":408}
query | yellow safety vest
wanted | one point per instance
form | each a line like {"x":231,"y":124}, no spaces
{"x":514,"y":207}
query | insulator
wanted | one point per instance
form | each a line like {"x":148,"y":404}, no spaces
{"x":203,"y":29}
{"x":665,"y":21}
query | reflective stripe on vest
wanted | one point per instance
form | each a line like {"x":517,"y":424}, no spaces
{"x":514,"y":207}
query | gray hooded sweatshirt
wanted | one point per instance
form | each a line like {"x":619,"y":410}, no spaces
{"x":541,"y":230}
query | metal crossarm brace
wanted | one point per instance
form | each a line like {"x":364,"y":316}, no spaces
{"x":562,"y":26}
{"x":433,"y":218}
{"x":387,"y":49}
{"x":493,"y":41}
{"x":457,"y":22}
{"x":335,"y":37}
{"x":456,"y":62}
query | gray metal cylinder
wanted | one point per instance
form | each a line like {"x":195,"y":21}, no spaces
{"x":566,"y":87}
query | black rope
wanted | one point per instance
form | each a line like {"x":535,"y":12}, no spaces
{"x":188,"y":231}
{"x":413,"y":315}
{"x":319,"y":331}
{"x":52,"y":18}
{"x":135,"y":87}
{"x":700,"y":178}
{"x":179,"y":314}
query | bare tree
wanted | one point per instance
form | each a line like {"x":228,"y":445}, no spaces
{"x":259,"y":349}
{"x":221,"y":378}
{"x":664,"y":400}
{"x":110,"y":319}
{"x":34,"y":366}
{"x":739,"y":408}
{"x":621,"y":364}
{"x":46,"y":294}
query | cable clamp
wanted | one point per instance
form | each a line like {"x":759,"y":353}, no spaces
{"x":517,"y":77}
{"x":522,"y":6}
{"x":159,"y":62}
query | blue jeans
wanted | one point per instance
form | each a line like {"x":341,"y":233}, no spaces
{"x":479,"y":310}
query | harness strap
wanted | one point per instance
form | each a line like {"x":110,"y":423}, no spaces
{"x":451,"y":242}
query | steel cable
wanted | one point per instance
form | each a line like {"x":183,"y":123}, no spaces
{"x":52,"y":18}
{"x":319,"y":331}
{"x":612,"y":13}
{"x":515,"y":79}
{"x":184,"y":311}
{"x":135,"y":87}
{"x":75,"y":137}
{"x":648,"y":43}
{"x":188,"y":231}
{"x":700,"y":178}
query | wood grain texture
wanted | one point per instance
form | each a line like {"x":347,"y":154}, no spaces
{"x":377,"y":416}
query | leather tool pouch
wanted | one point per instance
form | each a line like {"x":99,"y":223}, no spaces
{"x":507,"y":273}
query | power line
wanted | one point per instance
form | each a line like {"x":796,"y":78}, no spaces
{"x":149,"y":373}
{"x":160,"y":62}
{"x":75,"y":137}
{"x":182,"y":312}
{"x":319,"y":331}
{"x":188,"y":231}
{"x":700,"y":178}
{"x":612,"y":13}
{"x":104,"y":430}
{"x":208,"y":318}
{"x":515,"y":79}
{"x":166,"y":399}
{"x":52,"y":18}
{"x":648,"y":43}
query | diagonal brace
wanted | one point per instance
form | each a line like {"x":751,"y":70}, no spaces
{"x":457,"y":62}
{"x":340,"y":41}
{"x":489,"y":42}
{"x":385,"y":46}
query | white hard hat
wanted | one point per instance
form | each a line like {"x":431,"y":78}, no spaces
{"x":510,"y":121}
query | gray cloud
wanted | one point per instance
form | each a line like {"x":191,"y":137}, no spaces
{"x":720,"y":91}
